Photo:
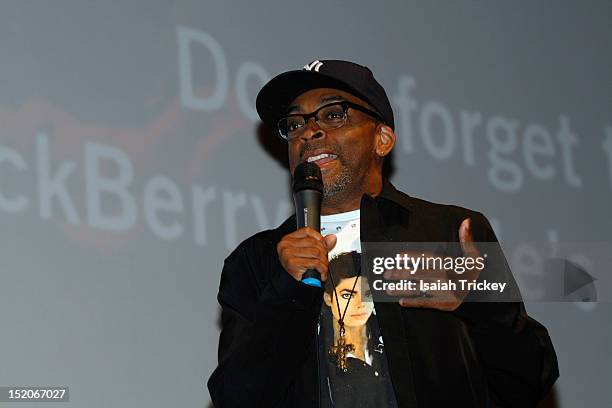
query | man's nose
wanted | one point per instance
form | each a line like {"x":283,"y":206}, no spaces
{"x":312,"y":130}
{"x":359,"y":301}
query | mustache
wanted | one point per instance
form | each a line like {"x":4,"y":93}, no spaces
{"x":309,"y":148}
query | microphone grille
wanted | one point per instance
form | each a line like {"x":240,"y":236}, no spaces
{"x":307,"y":176}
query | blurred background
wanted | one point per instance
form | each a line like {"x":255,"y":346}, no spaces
{"x":132,"y":162}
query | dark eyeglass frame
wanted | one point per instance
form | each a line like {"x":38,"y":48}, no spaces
{"x":306,"y":116}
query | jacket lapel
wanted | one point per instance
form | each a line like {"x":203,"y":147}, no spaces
{"x":376,"y":227}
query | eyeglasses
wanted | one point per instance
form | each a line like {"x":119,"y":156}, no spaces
{"x":330,"y":116}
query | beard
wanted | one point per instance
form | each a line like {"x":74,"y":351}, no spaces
{"x":341,"y":181}
{"x":338,"y":183}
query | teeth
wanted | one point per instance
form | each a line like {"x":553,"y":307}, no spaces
{"x":321,"y":156}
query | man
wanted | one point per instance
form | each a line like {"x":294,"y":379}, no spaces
{"x":437,"y":354}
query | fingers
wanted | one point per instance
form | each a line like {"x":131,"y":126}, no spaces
{"x":434,"y":285}
{"x":330,"y":241}
{"x":302,"y":255}
{"x":304,"y":237}
{"x":305,"y":232}
{"x":422,"y":273}
{"x":296,"y":264}
{"x":466,"y":238}
{"x":444,"y":305}
{"x":298,"y":267}
{"x":305,"y":249}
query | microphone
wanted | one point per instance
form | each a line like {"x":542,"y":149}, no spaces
{"x":307,"y":191}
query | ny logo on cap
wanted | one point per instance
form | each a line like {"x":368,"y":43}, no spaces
{"x":313,"y":66}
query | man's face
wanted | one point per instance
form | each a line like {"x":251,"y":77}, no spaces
{"x":360,"y":304}
{"x":353,"y":144}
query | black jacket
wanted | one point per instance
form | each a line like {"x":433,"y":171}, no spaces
{"x":480,"y":355}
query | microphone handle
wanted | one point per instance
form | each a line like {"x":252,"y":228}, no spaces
{"x":308,"y":214}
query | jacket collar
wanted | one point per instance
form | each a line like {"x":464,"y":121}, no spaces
{"x":387,"y":216}
{"x":388,"y":194}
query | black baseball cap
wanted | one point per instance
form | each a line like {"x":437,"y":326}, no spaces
{"x":274,"y":98}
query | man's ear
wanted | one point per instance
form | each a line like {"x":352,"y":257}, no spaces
{"x":327,"y":299}
{"x":385,"y":140}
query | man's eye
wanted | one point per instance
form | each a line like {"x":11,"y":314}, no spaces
{"x":346,"y":296}
{"x":294,"y":125}
{"x":334,"y":114}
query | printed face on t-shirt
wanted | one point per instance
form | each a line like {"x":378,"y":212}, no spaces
{"x":360,"y":306}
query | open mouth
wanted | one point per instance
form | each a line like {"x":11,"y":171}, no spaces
{"x":321,"y":159}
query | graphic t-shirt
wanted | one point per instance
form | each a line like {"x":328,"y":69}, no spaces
{"x":366,"y":382}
